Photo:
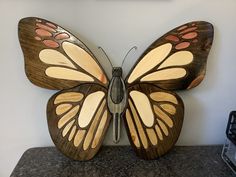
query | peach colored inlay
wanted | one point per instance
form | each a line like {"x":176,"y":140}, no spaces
{"x":188,"y":30}
{"x":182,"y":28}
{"x":37,"y":38}
{"x":51,"y":25}
{"x":42,"y":32}
{"x":182,"y":45}
{"x":172,"y":38}
{"x":190,"y":35}
{"x":62,"y":36}
{"x":51,"y":43}
{"x":45,"y":27}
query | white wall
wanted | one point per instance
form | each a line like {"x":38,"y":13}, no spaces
{"x":116,"y":25}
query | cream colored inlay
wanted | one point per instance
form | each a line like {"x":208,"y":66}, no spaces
{"x":67,"y":74}
{"x":92,"y":128}
{"x":163,"y":127}
{"x":163,"y":116}
{"x":68,"y":97}
{"x":79,"y":137}
{"x":165,"y":74}
{"x":132,"y":130}
{"x":89,"y":108}
{"x":67,"y":128}
{"x":163,"y":96}
{"x":139,"y":126}
{"x":53,"y":57}
{"x":100,"y":130}
{"x":68,"y":116}
{"x":143,"y":106}
{"x":152,"y":136}
{"x":72,"y":133}
{"x":168,"y":108}
{"x":62,"y":108}
{"x":150,"y":60}
{"x":84,"y":60}
{"x":178,"y":59}
{"x":158,"y":132}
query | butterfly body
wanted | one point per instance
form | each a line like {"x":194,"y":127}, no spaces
{"x":80,"y":113}
{"x":117,"y":100}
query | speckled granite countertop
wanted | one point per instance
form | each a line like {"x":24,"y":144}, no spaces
{"x":197,"y":161}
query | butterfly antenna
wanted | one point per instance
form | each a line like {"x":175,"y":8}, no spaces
{"x":99,"y":47}
{"x":134,"y":47}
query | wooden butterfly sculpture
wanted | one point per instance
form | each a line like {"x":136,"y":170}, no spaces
{"x":79,"y":115}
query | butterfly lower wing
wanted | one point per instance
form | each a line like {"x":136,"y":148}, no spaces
{"x":78,"y":119}
{"x":177,"y":60}
{"x":153,"y":120}
{"x":56,"y":59}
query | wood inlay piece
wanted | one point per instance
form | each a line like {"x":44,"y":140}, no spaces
{"x":68,"y":97}
{"x":163,"y":127}
{"x":132,"y":129}
{"x":168,"y":108}
{"x":67,"y":74}
{"x":163,"y":96}
{"x":43,"y":33}
{"x":159,"y":134}
{"x":61,"y":109}
{"x":139,"y":126}
{"x":90,"y":134}
{"x":100,"y":130}
{"x":79,"y":137}
{"x":67,"y":128}
{"x":149,"y":61}
{"x":152,"y":136}
{"x":167,"y":74}
{"x":50,"y":43}
{"x":72,"y":133}
{"x":144,"y":107}
{"x":163,"y":116}
{"x":54,"y":57}
{"x":90,"y":105}
{"x":178,"y":59}
{"x":68,"y":116}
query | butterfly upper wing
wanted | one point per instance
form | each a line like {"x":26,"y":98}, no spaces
{"x":78,"y":119}
{"x":56,"y":59}
{"x":177,"y":60}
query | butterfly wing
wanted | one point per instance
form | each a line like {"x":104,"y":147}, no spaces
{"x":177,"y":60}
{"x":78,"y":119}
{"x":153,"y":119}
{"x":56,"y":59}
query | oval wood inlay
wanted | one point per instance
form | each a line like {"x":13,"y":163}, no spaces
{"x":178,"y":59}
{"x":72,"y":133}
{"x":132,"y":130}
{"x":163,"y":116}
{"x":188,"y":30}
{"x":152,"y":136}
{"x":182,"y":45}
{"x":172,"y":38}
{"x":163,"y":127}
{"x":190,"y":35}
{"x":50,"y":43}
{"x":40,"y":25}
{"x":90,"y":105}
{"x":68,"y":97}
{"x":163,"y":96}
{"x":165,"y":74}
{"x":53,"y":57}
{"x":182,"y":28}
{"x":168,"y":108}
{"x":68,"y":116}
{"x":143,"y":106}
{"x":51,"y":25}
{"x":79,"y":137}
{"x":62,"y":36}
{"x":43,"y":33}
{"x":37,"y":38}
{"x":61,"y":109}
{"x":67,"y":128}
{"x":159,"y":134}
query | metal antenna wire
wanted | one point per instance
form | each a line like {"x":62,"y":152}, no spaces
{"x":134,"y":47}
{"x":99,"y":47}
